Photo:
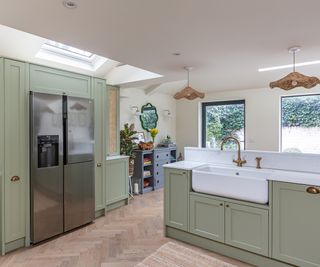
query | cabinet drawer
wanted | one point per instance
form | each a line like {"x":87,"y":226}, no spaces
{"x":158,"y":172}
{"x":247,"y":228}
{"x":159,"y":163}
{"x":162,"y":155}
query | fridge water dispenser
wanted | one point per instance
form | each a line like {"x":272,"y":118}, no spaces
{"x":48,"y":151}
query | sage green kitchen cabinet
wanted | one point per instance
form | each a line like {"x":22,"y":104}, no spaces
{"x":1,"y":154}
{"x":247,"y":228}
{"x":16,"y":174}
{"x":117,"y":180}
{"x":54,"y":81}
{"x":99,"y":96}
{"x":207,"y":217}
{"x":177,"y":187}
{"x":237,"y":225}
{"x":296,"y":224}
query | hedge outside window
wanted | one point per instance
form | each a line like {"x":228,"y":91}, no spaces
{"x":300,"y":124}
{"x":222,"y":119}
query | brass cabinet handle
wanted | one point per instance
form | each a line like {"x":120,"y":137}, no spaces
{"x":313,"y":190}
{"x":221,"y":204}
{"x":227,"y":206}
{"x":99,"y":164}
{"x":15,"y":178}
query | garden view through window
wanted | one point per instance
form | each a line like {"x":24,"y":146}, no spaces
{"x":300,"y":124}
{"x":222,"y":119}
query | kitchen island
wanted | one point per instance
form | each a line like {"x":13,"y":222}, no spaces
{"x":284,"y":231}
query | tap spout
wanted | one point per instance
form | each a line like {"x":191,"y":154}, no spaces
{"x":238,"y":161}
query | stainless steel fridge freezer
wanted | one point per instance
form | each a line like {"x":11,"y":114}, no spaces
{"x":78,"y":162}
{"x":62,"y":164}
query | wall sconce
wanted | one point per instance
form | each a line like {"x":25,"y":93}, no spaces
{"x":167,"y":113}
{"x":136,"y":111}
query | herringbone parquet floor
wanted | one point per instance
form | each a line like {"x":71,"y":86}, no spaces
{"x":122,"y":238}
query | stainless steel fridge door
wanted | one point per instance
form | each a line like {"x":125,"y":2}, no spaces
{"x":80,"y":130}
{"x":46,"y":160}
{"x":79,"y":202}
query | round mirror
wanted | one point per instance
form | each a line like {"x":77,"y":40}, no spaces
{"x":148,"y":117}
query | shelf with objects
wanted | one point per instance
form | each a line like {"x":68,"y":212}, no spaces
{"x":143,"y":170}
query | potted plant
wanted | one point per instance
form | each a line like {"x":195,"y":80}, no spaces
{"x":127,"y":144}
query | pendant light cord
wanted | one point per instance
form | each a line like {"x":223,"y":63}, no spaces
{"x":294,"y":61}
{"x":188,"y":77}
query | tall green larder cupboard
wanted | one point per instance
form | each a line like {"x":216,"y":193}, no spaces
{"x":14,"y":155}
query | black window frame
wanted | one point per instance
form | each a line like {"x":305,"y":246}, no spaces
{"x":281,"y":105}
{"x":219,"y":103}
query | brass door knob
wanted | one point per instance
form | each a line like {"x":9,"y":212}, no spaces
{"x":99,"y":164}
{"x":15,"y":178}
{"x":313,"y":190}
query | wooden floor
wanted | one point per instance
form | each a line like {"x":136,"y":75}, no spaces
{"x":122,"y":238}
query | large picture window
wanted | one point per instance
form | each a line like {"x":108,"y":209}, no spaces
{"x":222,"y":119}
{"x":300,"y":124}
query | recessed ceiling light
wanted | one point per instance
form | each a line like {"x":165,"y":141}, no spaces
{"x":176,"y":54}
{"x":289,"y":66}
{"x":70,"y":4}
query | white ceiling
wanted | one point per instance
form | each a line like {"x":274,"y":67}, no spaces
{"x":226,"y":41}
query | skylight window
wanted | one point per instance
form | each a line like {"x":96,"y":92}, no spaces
{"x":71,"y":56}
{"x":68,"y":49}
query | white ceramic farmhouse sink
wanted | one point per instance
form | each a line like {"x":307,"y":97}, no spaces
{"x":239,"y":183}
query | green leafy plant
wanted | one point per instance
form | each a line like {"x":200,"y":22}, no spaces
{"x":223,"y":121}
{"x":301,"y":111}
{"x":127,"y":137}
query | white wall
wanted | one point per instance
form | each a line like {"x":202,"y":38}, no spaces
{"x":137,"y":97}
{"x":262,"y":116}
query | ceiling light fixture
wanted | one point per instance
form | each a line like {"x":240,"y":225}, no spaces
{"x":188,"y":92}
{"x":70,"y":4}
{"x":295,"y":79}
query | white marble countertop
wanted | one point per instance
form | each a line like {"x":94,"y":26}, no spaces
{"x":307,"y":178}
{"x":185,"y":165}
{"x":116,"y":157}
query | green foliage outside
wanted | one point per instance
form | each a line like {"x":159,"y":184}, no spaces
{"x":224,"y":120}
{"x":302,"y":111}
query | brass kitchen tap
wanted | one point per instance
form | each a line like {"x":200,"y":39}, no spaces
{"x":239,"y":161}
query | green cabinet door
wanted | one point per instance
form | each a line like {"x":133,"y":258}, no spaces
{"x":15,"y":150}
{"x":296,"y":225}
{"x":117,"y":180}
{"x":207,"y":217}
{"x":176,"y":192}
{"x":54,"y":81}
{"x":247,"y":228}
{"x":99,"y":96}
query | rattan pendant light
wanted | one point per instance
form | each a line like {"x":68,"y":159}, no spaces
{"x":188,"y":92}
{"x":295,"y":79}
